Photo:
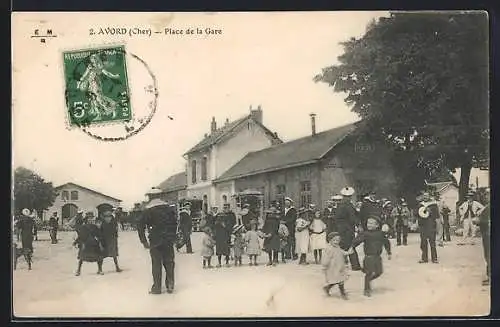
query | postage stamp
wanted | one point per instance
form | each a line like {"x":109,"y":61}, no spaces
{"x":110,"y":93}
{"x":97,"y":86}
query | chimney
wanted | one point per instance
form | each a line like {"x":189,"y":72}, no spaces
{"x":227,"y":121}
{"x":213,"y":125}
{"x":313,"y":123}
{"x":256,"y":114}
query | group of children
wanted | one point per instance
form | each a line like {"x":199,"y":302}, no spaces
{"x":310,"y":236}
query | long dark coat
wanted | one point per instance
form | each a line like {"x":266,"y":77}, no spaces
{"x":345,"y":222}
{"x":290,"y":218}
{"x":110,"y":238}
{"x":222,"y":238}
{"x":26,"y":226}
{"x":90,"y":243}
{"x":271,"y":227}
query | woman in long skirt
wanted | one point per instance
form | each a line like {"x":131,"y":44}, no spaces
{"x":90,"y":245}
{"x":109,"y":228}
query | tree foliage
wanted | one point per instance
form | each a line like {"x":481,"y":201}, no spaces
{"x":32,"y":191}
{"x":421,"y":80}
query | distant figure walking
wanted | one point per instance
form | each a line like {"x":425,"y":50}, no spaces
{"x":53,"y":227}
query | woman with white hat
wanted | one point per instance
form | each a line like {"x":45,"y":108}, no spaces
{"x":26,"y":225}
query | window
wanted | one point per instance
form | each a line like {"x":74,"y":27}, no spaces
{"x":204,"y":169}
{"x":74,"y":195}
{"x":305,"y":193}
{"x":65,"y":195}
{"x":193,"y":171}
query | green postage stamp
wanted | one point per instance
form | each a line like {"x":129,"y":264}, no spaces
{"x":97,"y":88}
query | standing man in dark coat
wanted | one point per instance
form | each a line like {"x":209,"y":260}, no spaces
{"x":369,"y":207}
{"x":346,"y":222}
{"x":161,"y":221}
{"x":290,"y":216}
{"x":109,"y":228}
{"x":53,"y":226}
{"x":186,"y":225}
{"x":428,"y":213}
{"x":445,"y":212}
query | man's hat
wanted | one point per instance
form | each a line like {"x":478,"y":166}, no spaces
{"x":347,"y":191}
{"x":238,"y":228}
{"x":337,"y":197}
{"x":246,"y":205}
{"x":26,"y":212}
{"x":80,"y":211}
{"x":470,"y":193}
{"x":187,"y":205}
{"x":288,"y":199}
{"x":331,"y":235}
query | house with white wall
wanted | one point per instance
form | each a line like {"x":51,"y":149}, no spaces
{"x":219,"y":150}
{"x":72,"y":197}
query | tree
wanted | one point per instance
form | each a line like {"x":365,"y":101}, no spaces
{"x":32,"y":191}
{"x":421,"y":80}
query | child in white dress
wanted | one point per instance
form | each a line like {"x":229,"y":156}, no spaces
{"x":302,"y":236}
{"x":318,"y":236}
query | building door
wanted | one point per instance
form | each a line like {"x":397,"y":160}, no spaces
{"x":68,"y":211}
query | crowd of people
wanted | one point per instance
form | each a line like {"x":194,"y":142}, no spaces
{"x":331,"y":235}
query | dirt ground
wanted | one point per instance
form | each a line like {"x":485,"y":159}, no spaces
{"x":450,"y":288}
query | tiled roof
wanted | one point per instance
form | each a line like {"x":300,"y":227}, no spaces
{"x":213,"y":138}
{"x":88,"y":190}
{"x":290,"y":154}
{"x":174,"y":183}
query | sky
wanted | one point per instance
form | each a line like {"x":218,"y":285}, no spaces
{"x":266,"y":59}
